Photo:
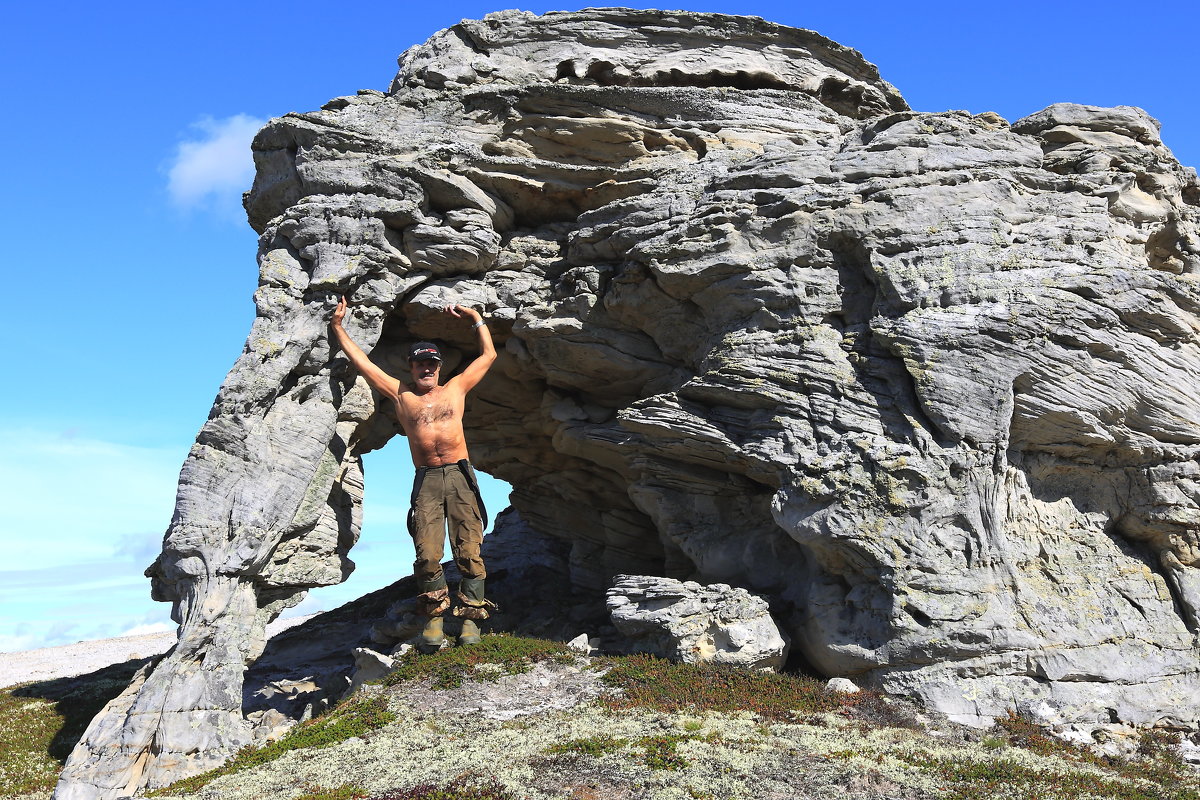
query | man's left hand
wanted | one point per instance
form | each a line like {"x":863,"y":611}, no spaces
{"x":459,"y":311}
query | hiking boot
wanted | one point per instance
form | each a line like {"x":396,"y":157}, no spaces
{"x":432,"y":636}
{"x":470,"y":632}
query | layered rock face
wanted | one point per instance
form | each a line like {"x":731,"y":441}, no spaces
{"x":926,"y":380}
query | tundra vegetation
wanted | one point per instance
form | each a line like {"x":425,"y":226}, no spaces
{"x":657,"y":729}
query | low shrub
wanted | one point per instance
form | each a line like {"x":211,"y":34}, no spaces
{"x":456,"y":790}
{"x":1159,"y":765}
{"x":649,"y":682}
{"x":448,"y":668}
{"x":661,"y":752}
{"x":984,"y":780}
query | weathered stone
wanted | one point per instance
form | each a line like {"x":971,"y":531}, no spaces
{"x":687,"y":622}
{"x":368,"y":666}
{"x":925,"y":380}
{"x":583,"y":644}
{"x":841,"y":686}
{"x":269,"y":725}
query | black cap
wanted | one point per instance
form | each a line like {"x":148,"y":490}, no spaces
{"x":423,"y":350}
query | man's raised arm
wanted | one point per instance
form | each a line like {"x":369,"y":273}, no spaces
{"x":475,"y":371}
{"x":380,"y":381}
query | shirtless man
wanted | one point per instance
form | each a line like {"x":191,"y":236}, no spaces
{"x":445,"y":489}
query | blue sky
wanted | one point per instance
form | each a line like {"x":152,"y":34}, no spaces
{"x":130,"y":265}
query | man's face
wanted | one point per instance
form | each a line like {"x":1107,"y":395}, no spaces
{"x":425,"y":372}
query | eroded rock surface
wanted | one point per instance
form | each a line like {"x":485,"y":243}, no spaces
{"x":926,"y":380}
{"x":684,"y":621}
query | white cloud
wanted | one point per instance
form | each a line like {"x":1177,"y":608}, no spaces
{"x":214,"y":169}
{"x":74,"y":499}
{"x":141,"y":547}
{"x":77,"y":526}
{"x":17,"y":644}
{"x":156,"y":627}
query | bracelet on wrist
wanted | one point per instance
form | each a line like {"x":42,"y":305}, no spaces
{"x":479,"y":324}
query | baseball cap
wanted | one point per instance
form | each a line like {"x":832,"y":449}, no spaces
{"x":423,"y":350}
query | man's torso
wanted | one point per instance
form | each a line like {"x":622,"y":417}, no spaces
{"x":433,"y":424}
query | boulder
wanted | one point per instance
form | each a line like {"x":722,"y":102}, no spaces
{"x":841,"y":686}
{"x":925,"y":380}
{"x":687,"y":622}
{"x":369,"y":665}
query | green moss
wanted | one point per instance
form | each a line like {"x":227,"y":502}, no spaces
{"x":356,"y":718}
{"x":40,"y":723}
{"x":594,"y":746}
{"x":661,"y":751}
{"x":447,"y":669}
{"x":27,"y":728}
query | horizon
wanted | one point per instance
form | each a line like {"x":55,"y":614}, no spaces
{"x":130,"y":157}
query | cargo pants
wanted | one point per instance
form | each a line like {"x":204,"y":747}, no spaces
{"x":446,"y":497}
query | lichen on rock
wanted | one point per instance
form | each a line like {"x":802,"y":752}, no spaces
{"x":925,"y":380}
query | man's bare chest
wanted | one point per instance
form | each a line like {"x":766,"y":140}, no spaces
{"x":432,"y":414}
{"x":419,"y":412}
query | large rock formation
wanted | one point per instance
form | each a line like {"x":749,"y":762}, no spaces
{"x":927,"y":380}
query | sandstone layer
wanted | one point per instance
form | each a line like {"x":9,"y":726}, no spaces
{"x":925,"y":380}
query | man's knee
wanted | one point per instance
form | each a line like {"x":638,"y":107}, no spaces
{"x":427,"y":568}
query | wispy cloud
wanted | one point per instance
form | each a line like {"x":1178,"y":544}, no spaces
{"x":211,"y":170}
{"x":141,"y":548}
{"x":80,"y":499}
{"x":154,"y":627}
{"x":82,"y":519}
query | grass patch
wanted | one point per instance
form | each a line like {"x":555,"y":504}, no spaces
{"x":447,"y":669}
{"x":649,"y":682}
{"x":40,"y":723}
{"x":355,"y":718}
{"x":456,"y":790}
{"x":594,"y":746}
{"x":27,"y":727}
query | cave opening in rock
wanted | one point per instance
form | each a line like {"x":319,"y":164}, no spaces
{"x":518,"y":428}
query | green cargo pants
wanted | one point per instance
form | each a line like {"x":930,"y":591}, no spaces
{"x":446,"y":496}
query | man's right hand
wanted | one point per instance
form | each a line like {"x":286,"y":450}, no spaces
{"x":339,"y":313}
